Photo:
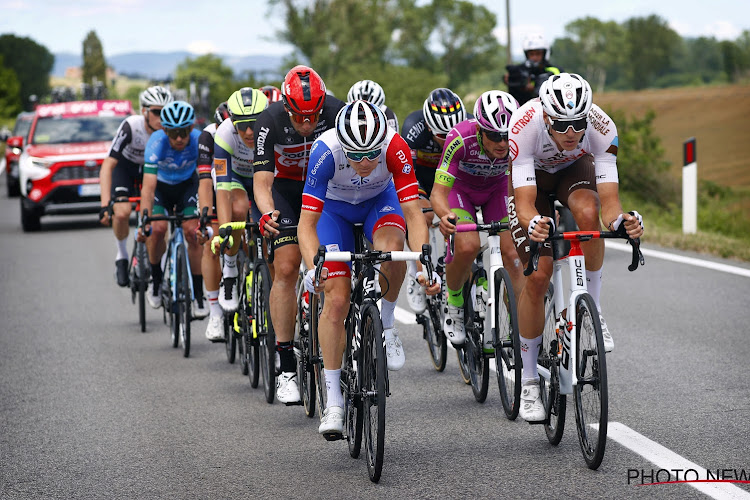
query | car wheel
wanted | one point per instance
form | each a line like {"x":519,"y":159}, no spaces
{"x":14,"y":187}
{"x":30,"y":218}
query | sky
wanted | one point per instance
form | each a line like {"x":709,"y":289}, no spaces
{"x":248,"y":27}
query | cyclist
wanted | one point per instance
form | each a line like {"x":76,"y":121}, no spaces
{"x":425,"y":131}
{"x":233,"y":165}
{"x":210,"y":264}
{"x":272,"y":93}
{"x":365,"y":153}
{"x":120,"y":173}
{"x":565,"y":145}
{"x":170,"y":181}
{"x":284,"y":135}
{"x":523,"y":80}
{"x":474,"y":173}
{"x":372,"y":91}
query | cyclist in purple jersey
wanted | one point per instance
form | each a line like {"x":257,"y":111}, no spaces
{"x":474,"y":173}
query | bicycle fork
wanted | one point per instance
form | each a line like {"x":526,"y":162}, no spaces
{"x":565,"y":324}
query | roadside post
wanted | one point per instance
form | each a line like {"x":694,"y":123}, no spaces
{"x":689,"y":188}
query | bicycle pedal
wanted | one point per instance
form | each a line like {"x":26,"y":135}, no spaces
{"x":333,"y":436}
{"x":538,"y":422}
{"x":217,"y":341}
{"x":294,"y":403}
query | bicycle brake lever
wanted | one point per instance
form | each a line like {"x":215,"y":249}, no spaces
{"x":533,"y":258}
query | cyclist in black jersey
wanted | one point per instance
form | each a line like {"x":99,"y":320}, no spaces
{"x":121,"y":170}
{"x":284,"y":134}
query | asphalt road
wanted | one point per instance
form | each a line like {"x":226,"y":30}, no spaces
{"x":92,"y":408}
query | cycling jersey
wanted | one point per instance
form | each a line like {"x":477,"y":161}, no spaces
{"x":206,"y":151}
{"x":425,"y":151}
{"x":532,"y":148}
{"x":332,"y":178}
{"x":279,"y":148}
{"x":130,"y":142}
{"x":390,"y":117}
{"x":170,"y":166}
{"x":233,"y":159}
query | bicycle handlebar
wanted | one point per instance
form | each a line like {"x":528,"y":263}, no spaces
{"x":585,"y":236}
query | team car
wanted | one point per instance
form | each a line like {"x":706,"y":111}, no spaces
{"x":59,"y":165}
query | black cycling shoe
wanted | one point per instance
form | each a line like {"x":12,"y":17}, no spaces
{"x":121,"y":272}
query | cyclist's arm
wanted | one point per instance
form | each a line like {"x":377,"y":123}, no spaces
{"x":525,"y":199}
{"x":222,"y":166}
{"x":205,"y":164}
{"x":262,"y":183}
{"x":609,"y":195}
{"x":148,"y":190}
{"x":308,"y":236}
{"x":417,"y":233}
{"x":105,"y":179}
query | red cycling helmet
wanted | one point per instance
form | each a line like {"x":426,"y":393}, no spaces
{"x":303,"y":91}
{"x":273,"y":93}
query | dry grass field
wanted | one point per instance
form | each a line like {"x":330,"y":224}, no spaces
{"x":717,"y":116}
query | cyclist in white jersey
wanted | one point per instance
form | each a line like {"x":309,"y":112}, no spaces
{"x":371,"y":91}
{"x":121,"y":173}
{"x":565,"y":145}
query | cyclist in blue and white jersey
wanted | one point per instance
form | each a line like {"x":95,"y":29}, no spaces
{"x":170,"y":181}
{"x":371,"y":91}
{"x":361,"y":172}
{"x":121,"y":170}
{"x":565,"y":145}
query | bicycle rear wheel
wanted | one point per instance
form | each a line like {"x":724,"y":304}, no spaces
{"x":432,"y":326}
{"x":591,"y":397}
{"x":184,"y":300}
{"x":168,"y":299}
{"x":230,"y":341}
{"x":554,"y":403}
{"x":507,"y":345}
{"x":241,"y":317}
{"x":373,"y":373}
{"x":316,"y":354}
{"x":266,"y":334}
{"x":477,"y":363}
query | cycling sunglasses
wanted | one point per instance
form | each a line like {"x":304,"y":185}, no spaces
{"x":495,"y":136}
{"x":442,"y":137}
{"x":358,"y":157}
{"x":174,"y":133}
{"x":297,"y":118}
{"x":155,"y":112}
{"x":244,"y":125}
{"x":562,"y":126}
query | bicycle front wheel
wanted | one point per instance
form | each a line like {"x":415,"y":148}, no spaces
{"x":555,"y":404}
{"x":373,"y":373}
{"x":141,"y":281}
{"x":507,"y":344}
{"x":266,"y":334}
{"x":478,"y":364}
{"x":184,"y":301}
{"x":305,"y":374}
{"x":352,"y":392}
{"x":591,"y":397}
{"x":316,"y":354}
{"x":432,"y":326}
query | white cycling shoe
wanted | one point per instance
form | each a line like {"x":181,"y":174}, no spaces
{"x":394,"y":350}
{"x":453,"y":325}
{"x":287,"y":389}
{"x":415,"y":295}
{"x":153,"y":300}
{"x":532,"y":409}
{"x":332,"y":423}
{"x":228,"y":295}
{"x":609,"y":343}
{"x":200,"y":312}
{"x":215,"y":329}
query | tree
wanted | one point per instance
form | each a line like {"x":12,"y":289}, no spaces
{"x":10,"y":102}
{"x":650,"y":43}
{"x":207,"y":70}
{"x":31,"y":63}
{"x":94,"y":65}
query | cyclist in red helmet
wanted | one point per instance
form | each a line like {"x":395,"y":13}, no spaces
{"x":272,"y":93}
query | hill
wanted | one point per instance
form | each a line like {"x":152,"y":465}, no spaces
{"x":716,"y":116}
{"x":162,"y":65}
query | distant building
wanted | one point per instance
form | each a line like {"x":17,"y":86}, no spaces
{"x":76,"y":73}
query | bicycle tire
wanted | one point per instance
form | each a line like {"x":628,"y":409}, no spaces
{"x":507,"y":345}
{"x":230,"y":342}
{"x":555,"y":404}
{"x":141,"y":281}
{"x":476,"y":361}
{"x":590,"y":393}
{"x":169,"y":303}
{"x":352,"y":395}
{"x":305,"y":375}
{"x":432,"y":326}
{"x":373,"y":381}
{"x":184,"y":300}
{"x":316,"y":354}
{"x":266,"y":334}
{"x":251,"y":338}
{"x":240,"y":318}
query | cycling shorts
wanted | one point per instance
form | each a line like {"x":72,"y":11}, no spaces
{"x":493,"y":200}
{"x":579,"y":175}
{"x":336,"y":224}
{"x":183,"y":196}
{"x":287,"y":198}
{"x":126,"y":179}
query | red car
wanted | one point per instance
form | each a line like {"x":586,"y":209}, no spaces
{"x":59,"y":166}
{"x":12,"y":153}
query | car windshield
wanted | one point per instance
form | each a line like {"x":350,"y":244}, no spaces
{"x":22,"y":126}
{"x":56,"y":130}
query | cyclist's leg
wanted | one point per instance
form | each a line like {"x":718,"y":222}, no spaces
{"x":156,"y":244}
{"x":123,"y":186}
{"x":188,"y":205}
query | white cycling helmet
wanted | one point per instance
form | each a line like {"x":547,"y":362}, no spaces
{"x":155,"y":96}
{"x":443,"y":110}
{"x":535,"y":41}
{"x":493,"y":109}
{"x":361,"y":126}
{"x":367,"y":90}
{"x":566,"y":96}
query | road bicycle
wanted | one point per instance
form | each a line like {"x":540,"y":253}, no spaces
{"x":572,"y":358}
{"x":364,"y":372}
{"x":177,"y":286}
{"x":139,"y":270}
{"x":302,"y":345}
{"x":491,"y":322}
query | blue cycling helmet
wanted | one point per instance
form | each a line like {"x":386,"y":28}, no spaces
{"x":177,"y":114}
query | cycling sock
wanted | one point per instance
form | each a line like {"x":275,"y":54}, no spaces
{"x":230,"y":266}
{"x":594,"y":285}
{"x":157,"y":275}
{"x":286,"y":355}
{"x":455,"y":297}
{"x":213,"y":303}
{"x":198,"y":288}
{"x":387,"y":312}
{"x":529,"y":353}
{"x":122,"y":248}
{"x":333,"y":388}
